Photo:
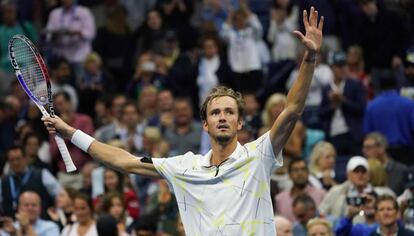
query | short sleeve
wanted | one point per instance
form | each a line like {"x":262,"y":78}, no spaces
{"x":271,"y":158}
{"x":167,"y":168}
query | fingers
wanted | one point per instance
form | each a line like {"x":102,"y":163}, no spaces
{"x":305,"y":19}
{"x":299,"y":35}
{"x":312,"y":18}
{"x":320,"y":25}
{"x":50,"y":124}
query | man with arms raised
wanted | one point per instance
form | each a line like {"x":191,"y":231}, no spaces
{"x":226,"y":191}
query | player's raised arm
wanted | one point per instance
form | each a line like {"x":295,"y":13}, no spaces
{"x":296,"y":97}
{"x":108,"y":155}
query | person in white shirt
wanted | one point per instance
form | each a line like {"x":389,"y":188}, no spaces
{"x":228,"y":189}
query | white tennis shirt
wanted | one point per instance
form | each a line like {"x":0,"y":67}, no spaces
{"x":233,"y":199}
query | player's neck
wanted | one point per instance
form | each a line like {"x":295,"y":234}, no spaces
{"x":222,"y":152}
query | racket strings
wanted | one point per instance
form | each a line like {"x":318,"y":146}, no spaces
{"x":31,"y":70}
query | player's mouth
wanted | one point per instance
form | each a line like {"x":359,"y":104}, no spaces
{"x":223,"y":127}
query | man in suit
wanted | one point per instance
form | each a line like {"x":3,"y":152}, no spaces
{"x":342,"y":108}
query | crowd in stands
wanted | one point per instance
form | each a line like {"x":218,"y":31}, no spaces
{"x":133,"y":73}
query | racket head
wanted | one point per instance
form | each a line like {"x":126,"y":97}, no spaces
{"x":30,"y":69}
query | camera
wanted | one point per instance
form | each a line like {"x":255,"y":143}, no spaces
{"x":356,"y":201}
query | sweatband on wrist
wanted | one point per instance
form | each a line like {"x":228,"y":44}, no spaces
{"x":82,"y":140}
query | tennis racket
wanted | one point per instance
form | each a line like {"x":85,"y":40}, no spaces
{"x":32,"y":74}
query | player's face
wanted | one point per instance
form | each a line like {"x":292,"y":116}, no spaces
{"x":223,"y":120}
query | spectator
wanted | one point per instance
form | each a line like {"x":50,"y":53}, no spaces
{"x":145,"y":75}
{"x":71,"y":29}
{"x":176,"y":15}
{"x":342,"y":108}
{"x":23,"y":177}
{"x":64,"y":108}
{"x":9,"y":27}
{"x":252,"y":118}
{"x":28,"y":217}
{"x":334,"y":204}
{"x":185,"y":135}
{"x":377,"y":176}
{"x":131,"y":128}
{"x":114,"y":182}
{"x":150,"y":36}
{"x":213,"y":69}
{"x":180,"y":69}
{"x":387,"y":214}
{"x":113,"y":204}
{"x":62,"y":213}
{"x":345,"y":225}
{"x":111,"y":130}
{"x":322,"y":77}
{"x":408,"y":193}
{"x":393,"y":116}
{"x":147,"y":103}
{"x":381,"y":52}
{"x":283,"y":226}
{"x":31,"y":148}
{"x":284,"y":20}
{"x":322,"y":165}
{"x":304,"y":209}
{"x":242,"y":32}
{"x":136,"y":11}
{"x":356,"y":68}
{"x":375,"y":147}
{"x":299,"y":174}
{"x":116,"y":60}
{"x":162,"y":205}
{"x":102,"y":109}
{"x":93,"y":83}
{"x":62,"y":79}
{"x":107,"y":225}
{"x":273,"y":108}
{"x":319,"y":226}
{"x":87,"y":177}
{"x":146,"y":225}
{"x":215,"y":12}
{"x":85,"y":225}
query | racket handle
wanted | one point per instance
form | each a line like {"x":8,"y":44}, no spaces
{"x":70,"y":167}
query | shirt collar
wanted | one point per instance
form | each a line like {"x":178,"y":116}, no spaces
{"x":206,"y":159}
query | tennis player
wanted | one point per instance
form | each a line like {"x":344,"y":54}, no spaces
{"x":226,"y":191}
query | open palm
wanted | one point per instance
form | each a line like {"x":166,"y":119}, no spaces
{"x":313,"y":30}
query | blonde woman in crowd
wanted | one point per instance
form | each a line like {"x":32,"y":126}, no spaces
{"x":319,"y":227}
{"x":322,"y":165}
{"x":293,"y":148}
{"x":378,"y":177}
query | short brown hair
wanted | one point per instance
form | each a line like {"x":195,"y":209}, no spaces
{"x":384,"y":198}
{"x":222,"y":91}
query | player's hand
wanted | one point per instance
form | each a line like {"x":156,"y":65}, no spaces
{"x":56,"y":125}
{"x":312,"y":39}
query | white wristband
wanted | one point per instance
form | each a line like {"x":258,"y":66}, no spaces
{"x":82,"y":140}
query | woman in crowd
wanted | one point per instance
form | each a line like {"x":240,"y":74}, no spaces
{"x":63,"y":213}
{"x":113,"y":204}
{"x":85,"y":224}
{"x":319,"y":227}
{"x":322,"y":165}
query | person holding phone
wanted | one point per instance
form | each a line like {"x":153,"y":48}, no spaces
{"x":357,"y":184}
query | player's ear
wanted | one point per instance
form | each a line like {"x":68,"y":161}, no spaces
{"x":205,"y":125}
{"x":240,"y":124}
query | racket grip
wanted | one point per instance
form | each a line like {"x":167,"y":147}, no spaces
{"x":70,"y":167}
